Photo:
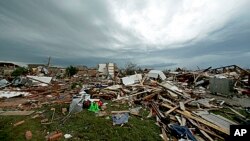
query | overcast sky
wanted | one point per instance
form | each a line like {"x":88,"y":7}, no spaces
{"x":152,"y":33}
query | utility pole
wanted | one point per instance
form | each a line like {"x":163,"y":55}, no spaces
{"x":48,"y":62}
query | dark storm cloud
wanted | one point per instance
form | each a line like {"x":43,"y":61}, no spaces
{"x":96,"y":31}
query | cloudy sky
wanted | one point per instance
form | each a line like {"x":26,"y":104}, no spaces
{"x":152,"y":33}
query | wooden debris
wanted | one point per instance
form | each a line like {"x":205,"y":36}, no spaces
{"x":174,"y":108}
{"x":130,"y":96}
{"x":179,"y":119}
{"x":118,"y":112}
{"x":189,"y":115}
{"x":17,"y":113}
{"x":151,"y":113}
{"x":135,"y":111}
{"x":54,"y":110}
{"x":164,"y":134}
{"x":64,"y":110}
{"x":102,"y":114}
{"x":236,"y":112}
{"x":19,"y":123}
{"x":35,"y":116}
{"x":54,"y":136}
{"x":182,"y":106}
{"x":206,"y":135}
{"x":215,"y":119}
{"x":183,"y":121}
{"x":44,"y":120}
{"x":172,"y":93}
{"x":148,"y":97}
{"x":204,"y":129}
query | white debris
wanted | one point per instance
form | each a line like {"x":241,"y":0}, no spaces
{"x":67,"y":136}
{"x":9,"y":94}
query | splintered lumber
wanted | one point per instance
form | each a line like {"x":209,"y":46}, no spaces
{"x":16,"y":113}
{"x":174,"y":108}
{"x":118,"y":112}
{"x":54,"y":110}
{"x":182,"y":106}
{"x":215,"y":119}
{"x":198,"y":119}
{"x":183,"y":121}
{"x":108,"y":91}
{"x":164,"y":119}
{"x":64,"y":110}
{"x":206,"y":135}
{"x":164,"y":135}
{"x":148,"y":97}
{"x":129,"y":96}
{"x":55,"y":136}
{"x":19,"y":123}
{"x":203,"y":129}
{"x":179,"y":120}
{"x":236,"y":112}
{"x":165,"y":100}
{"x":35,"y":116}
{"x":175,"y":92}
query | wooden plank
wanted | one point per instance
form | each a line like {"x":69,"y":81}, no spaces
{"x":165,"y":100}
{"x":204,"y":129}
{"x":198,"y":119}
{"x":118,"y":112}
{"x":129,"y":96}
{"x":183,"y":121}
{"x":17,"y":113}
{"x":174,"y":108}
{"x":236,"y":112}
{"x":148,"y":97}
{"x":206,"y":135}
{"x":164,"y":135}
{"x":54,"y":110}
{"x":175,"y":92}
{"x":179,"y":119}
{"x":19,"y":123}
{"x":182,"y":106}
{"x":64,"y":110}
{"x":217,"y":120}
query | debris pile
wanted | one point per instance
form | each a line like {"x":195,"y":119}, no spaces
{"x":191,"y":105}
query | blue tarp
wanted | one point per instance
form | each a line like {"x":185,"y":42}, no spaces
{"x":182,"y":131}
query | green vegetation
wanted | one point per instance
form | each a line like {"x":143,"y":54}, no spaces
{"x":227,"y":113}
{"x":20,"y":71}
{"x":70,"y":71}
{"x":75,"y":84}
{"x":82,"y":126}
{"x":130,"y":68}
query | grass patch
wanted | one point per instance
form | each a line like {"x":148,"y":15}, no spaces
{"x":82,"y":126}
{"x":227,"y":113}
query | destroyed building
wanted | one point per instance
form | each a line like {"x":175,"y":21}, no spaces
{"x":6,"y":68}
{"x":107,"y":70}
{"x":185,"y":104}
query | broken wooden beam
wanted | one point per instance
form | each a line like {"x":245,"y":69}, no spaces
{"x":118,"y":112}
{"x":15,"y":113}
{"x":204,"y":129}
{"x":174,"y":108}
{"x":19,"y":123}
{"x":198,"y":119}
